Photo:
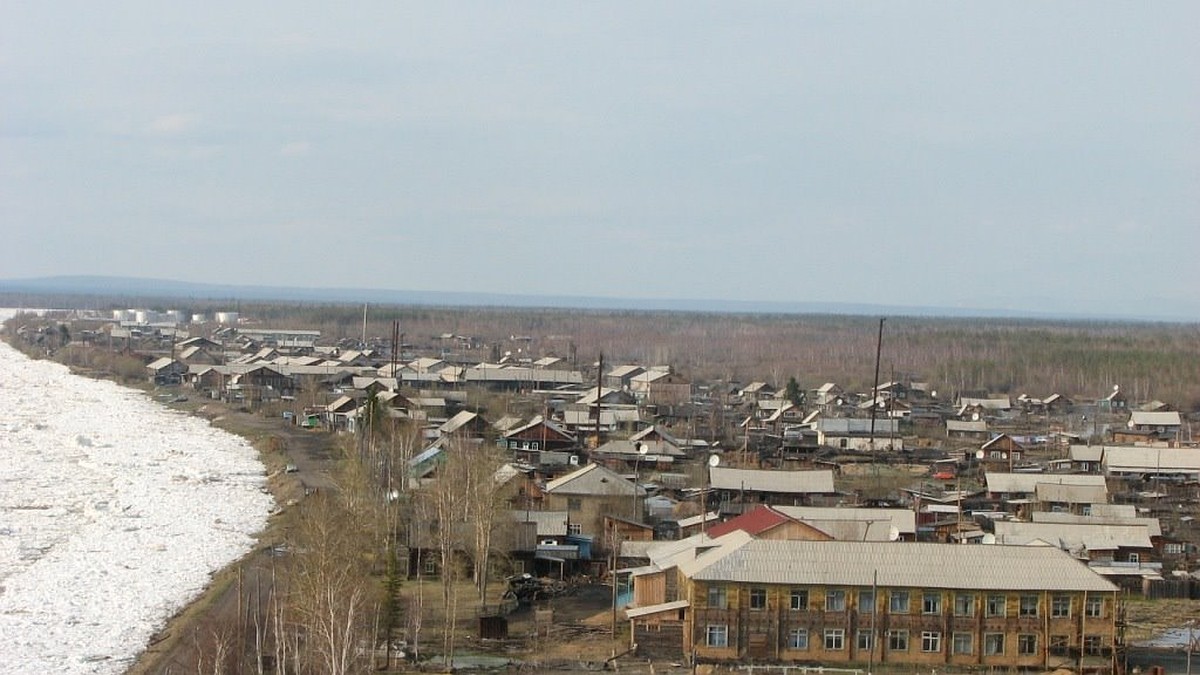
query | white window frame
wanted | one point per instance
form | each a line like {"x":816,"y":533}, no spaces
{"x":798,"y":639}
{"x":931,"y":641}
{"x":835,"y":639}
{"x":717,"y":635}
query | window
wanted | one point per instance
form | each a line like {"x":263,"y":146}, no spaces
{"x":993,"y":644}
{"x":931,"y":641}
{"x":835,"y":639}
{"x":574,"y":503}
{"x":1173,"y":548}
{"x":1029,"y":606}
{"x":866,"y":602}
{"x":835,"y":601}
{"x":1060,"y":645}
{"x":995,"y":605}
{"x":430,"y":566}
{"x":898,"y":602}
{"x":717,"y":636}
{"x":717,"y":598}
{"x":798,"y":638}
{"x":1093,"y":645}
{"x":758,"y":598}
{"x":865,"y":640}
{"x":1027,"y":644}
{"x":962,"y":643}
{"x":898,"y":640}
{"x":574,"y":528}
{"x":964,"y":604}
{"x":931,"y":603}
{"x":1094,"y":607}
{"x":1060,"y":606}
{"x":799,"y":600}
{"x":1133,"y":557}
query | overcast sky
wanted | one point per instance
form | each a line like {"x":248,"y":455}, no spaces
{"x":1041,"y":156}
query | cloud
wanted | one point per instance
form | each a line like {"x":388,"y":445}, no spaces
{"x":173,"y":125}
{"x":295,"y":149}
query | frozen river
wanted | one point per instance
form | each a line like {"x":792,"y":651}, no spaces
{"x":114,"y":512}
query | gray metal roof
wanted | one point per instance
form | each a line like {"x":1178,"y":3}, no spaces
{"x":952,"y":566}
{"x":593,"y":479}
{"x":1027,"y":482}
{"x":1071,"y":494}
{"x":762,"y":480}
{"x":1100,"y":516}
{"x":1073,"y":537}
{"x":1129,"y":459}
{"x":904,"y":520}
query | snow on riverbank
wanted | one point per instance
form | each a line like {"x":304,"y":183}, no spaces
{"x":114,"y":512}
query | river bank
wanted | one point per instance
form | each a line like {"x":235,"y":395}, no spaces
{"x":115,"y":513}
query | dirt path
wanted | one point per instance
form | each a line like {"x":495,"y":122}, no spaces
{"x":186,"y":641}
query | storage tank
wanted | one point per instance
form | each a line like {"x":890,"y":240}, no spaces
{"x":227,"y":318}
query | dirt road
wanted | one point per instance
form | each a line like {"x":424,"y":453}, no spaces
{"x":297,"y":461}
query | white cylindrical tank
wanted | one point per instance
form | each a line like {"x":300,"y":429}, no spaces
{"x":175,"y":316}
{"x":227,"y":318}
{"x":199,"y":318}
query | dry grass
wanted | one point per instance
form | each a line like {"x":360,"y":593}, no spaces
{"x":1146,"y":618}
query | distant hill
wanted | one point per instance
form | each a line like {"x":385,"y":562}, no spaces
{"x":166,"y":289}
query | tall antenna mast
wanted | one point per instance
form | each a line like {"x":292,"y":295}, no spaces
{"x":364,"y":331}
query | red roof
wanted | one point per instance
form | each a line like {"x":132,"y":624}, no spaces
{"x":753,"y":522}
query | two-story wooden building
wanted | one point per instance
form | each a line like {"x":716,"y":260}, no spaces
{"x":928,"y":605}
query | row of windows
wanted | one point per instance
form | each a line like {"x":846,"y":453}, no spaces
{"x":900,"y":602}
{"x":834,"y":639}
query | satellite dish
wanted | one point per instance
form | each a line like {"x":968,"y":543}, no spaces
{"x":714,"y":461}
{"x":839,"y":401}
{"x":974,"y":417}
{"x":1116,"y":387}
{"x":933,"y":394}
{"x":1130,"y":423}
{"x":894,"y":533}
{"x":641,"y":447}
{"x":979,"y":454}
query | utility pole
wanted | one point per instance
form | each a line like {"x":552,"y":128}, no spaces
{"x":875,"y":388}
{"x":599,"y":382}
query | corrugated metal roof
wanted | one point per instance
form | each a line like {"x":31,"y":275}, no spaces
{"x":1100,"y":516}
{"x":1074,"y":537}
{"x":761,"y":480}
{"x":904,"y":520}
{"x":635,"y":612}
{"x":755,"y":521}
{"x":1125,"y":459}
{"x":1027,"y":482}
{"x":1071,"y":494}
{"x":593,"y":479}
{"x":1086,"y":453}
{"x":1155,"y":419}
{"x":842,"y":563}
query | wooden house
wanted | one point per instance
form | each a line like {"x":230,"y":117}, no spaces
{"x":930,"y":606}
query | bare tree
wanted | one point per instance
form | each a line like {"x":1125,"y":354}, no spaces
{"x":330,"y":585}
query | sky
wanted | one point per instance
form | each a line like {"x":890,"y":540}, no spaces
{"x":1035,"y":156}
